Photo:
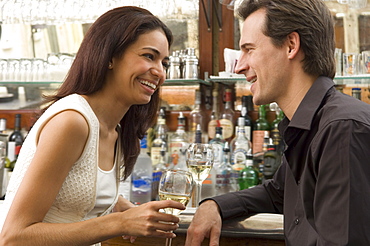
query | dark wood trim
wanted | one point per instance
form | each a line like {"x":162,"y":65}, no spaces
{"x":29,"y":117}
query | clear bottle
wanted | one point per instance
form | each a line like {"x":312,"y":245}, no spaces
{"x":214,"y":118}
{"x":142,"y":176}
{"x":227,"y":117}
{"x":178,"y":141}
{"x":160,"y":136}
{"x":226,"y":177}
{"x":260,"y":127}
{"x":249,"y":176}
{"x":240,"y":146}
{"x":181,"y":165}
{"x":15,"y":141}
{"x":157,"y":173}
{"x":247,"y":119}
{"x":197,"y":117}
{"x":218,"y":144}
{"x":191,"y":65}
{"x":174,"y":71}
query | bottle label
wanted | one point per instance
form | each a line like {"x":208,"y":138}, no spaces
{"x":175,"y":150}
{"x":227,"y":128}
{"x":212,"y":128}
{"x":218,"y":153}
{"x":155,"y":155}
{"x":247,"y":130}
{"x":155,"y":183}
{"x":239,"y":158}
{"x":258,"y":138}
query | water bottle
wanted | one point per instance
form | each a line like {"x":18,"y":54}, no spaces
{"x":141,"y":178}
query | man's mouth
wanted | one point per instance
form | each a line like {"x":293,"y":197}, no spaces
{"x":147,"y":83}
{"x":252,"y":80}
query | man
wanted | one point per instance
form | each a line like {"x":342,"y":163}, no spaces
{"x":323,"y":184}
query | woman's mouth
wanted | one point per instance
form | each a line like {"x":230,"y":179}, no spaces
{"x":147,"y":83}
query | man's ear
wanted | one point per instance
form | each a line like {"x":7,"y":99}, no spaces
{"x":293,"y":44}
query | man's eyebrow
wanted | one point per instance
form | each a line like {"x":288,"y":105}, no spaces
{"x":243,"y":46}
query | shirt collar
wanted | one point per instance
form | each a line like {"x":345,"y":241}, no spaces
{"x":303,"y":117}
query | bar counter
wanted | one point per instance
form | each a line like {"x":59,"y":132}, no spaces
{"x":259,"y":229}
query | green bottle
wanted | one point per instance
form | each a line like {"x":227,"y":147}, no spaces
{"x":249,"y":176}
{"x":261,"y":129}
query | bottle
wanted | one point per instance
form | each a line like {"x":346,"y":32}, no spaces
{"x":356,"y":93}
{"x":197,"y":116}
{"x":125,"y":188}
{"x":160,"y":136}
{"x":270,"y":161}
{"x":275,"y":133}
{"x":249,"y":176}
{"x":141,"y":177}
{"x":2,"y":125}
{"x":226,"y":177}
{"x":218,"y":144}
{"x":260,"y":127}
{"x":191,"y":65}
{"x":181,"y":165}
{"x":266,"y":141}
{"x":240,"y":146}
{"x":157,"y":172}
{"x":174,"y":71}
{"x":178,"y":141}
{"x":15,"y":141}
{"x":247,"y":118}
{"x":214,"y":118}
{"x":198,"y":135}
{"x":227,"y":117}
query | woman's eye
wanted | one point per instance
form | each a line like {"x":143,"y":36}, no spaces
{"x":149,"y":56}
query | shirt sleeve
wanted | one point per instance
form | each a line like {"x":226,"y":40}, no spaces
{"x":336,"y":185}
{"x":265,"y":198}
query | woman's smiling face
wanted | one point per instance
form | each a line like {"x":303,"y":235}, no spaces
{"x":141,"y":70}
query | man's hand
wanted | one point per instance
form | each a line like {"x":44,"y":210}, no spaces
{"x":205,"y":224}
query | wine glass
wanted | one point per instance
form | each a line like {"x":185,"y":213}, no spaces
{"x":176,"y":185}
{"x":199,"y":159}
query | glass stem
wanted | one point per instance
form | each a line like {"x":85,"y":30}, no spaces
{"x":168,"y":241}
{"x":199,"y":190}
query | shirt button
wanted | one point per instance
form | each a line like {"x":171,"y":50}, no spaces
{"x":296,"y":221}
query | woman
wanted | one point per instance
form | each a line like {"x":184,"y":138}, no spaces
{"x":65,"y":182}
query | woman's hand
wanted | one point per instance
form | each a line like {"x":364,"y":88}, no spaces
{"x":146,"y":220}
{"x":122,"y":205}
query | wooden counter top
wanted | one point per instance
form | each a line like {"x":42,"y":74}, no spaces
{"x":259,"y":229}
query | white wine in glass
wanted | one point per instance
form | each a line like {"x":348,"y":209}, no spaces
{"x":199,"y":159}
{"x":175,"y":185}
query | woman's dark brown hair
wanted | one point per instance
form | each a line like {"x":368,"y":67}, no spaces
{"x":109,"y":37}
